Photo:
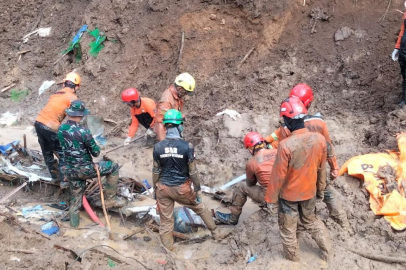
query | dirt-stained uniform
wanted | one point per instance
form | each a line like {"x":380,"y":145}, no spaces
{"x":169,"y":100}
{"x":315,"y":123}
{"x":401,"y":46}
{"x":47,"y":124}
{"x":172,"y":159}
{"x":299,"y":172}
{"x":258,"y":170}
{"x":78,"y":147}
{"x":144,"y":115}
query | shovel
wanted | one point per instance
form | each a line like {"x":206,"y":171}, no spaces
{"x":121,"y":146}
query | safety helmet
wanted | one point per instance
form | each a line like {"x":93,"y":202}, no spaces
{"x":130,"y":94}
{"x":252,"y":139}
{"x":186,"y":81}
{"x":173,"y":116}
{"x":73,"y":77}
{"x":303,"y":92}
{"x":293,"y":108}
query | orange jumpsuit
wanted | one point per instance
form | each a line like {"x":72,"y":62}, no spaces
{"x":169,"y":100}
{"x":402,"y":30}
{"x":144,"y":115}
{"x":54,"y":112}
{"x":313,"y":123}
{"x":298,"y":173}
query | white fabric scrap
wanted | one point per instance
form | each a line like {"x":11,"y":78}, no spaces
{"x":42,"y":32}
{"x":233,"y":114}
{"x":44,"y":86}
{"x":8,"y":118}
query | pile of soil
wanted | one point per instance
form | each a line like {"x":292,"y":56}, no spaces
{"x":357,"y":88}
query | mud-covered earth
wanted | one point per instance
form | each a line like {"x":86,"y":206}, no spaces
{"x":357,"y":89}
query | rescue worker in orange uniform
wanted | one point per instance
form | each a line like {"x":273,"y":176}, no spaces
{"x":142,"y":111}
{"x":49,"y":120}
{"x":399,"y":54}
{"x":315,"y":123}
{"x":298,"y":175}
{"x":172,"y":99}
{"x":258,"y":170}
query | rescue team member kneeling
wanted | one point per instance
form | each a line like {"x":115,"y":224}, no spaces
{"x":174,"y":170}
{"x":78,"y":147}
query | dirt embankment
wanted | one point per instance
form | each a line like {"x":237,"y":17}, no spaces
{"x":356,"y":84}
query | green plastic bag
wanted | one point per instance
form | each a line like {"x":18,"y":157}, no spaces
{"x":96,"y":46}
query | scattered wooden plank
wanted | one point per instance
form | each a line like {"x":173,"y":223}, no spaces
{"x":25,"y":251}
{"x":12,"y":193}
{"x":246,"y":56}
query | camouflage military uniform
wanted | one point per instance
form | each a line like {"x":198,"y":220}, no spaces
{"x":78,"y":147}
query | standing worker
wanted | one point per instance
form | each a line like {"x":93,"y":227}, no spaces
{"x":399,"y":54}
{"x":78,"y":147}
{"x":49,"y":119}
{"x":258,"y":170}
{"x":299,"y":173}
{"x":315,"y":123}
{"x":174,"y":170}
{"x":142,"y":112}
{"x":172,"y":99}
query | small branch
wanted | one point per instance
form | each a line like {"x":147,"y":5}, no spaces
{"x":23,"y":52}
{"x":246,"y":56}
{"x":8,"y":87}
{"x":180,"y":52}
{"x":374,"y":257}
{"x":386,"y":11}
{"x":21,"y":251}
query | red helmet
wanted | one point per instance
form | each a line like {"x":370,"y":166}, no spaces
{"x":303,"y":92}
{"x":130,"y":94}
{"x":293,"y":108}
{"x":252,"y":139}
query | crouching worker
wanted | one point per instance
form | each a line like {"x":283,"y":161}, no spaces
{"x":258,"y":170}
{"x":174,"y":171}
{"x":78,"y":147}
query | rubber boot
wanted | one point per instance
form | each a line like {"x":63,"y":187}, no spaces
{"x":291,"y":253}
{"x":335,"y":208}
{"x":74,"y":218}
{"x":55,"y":172}
{"x":111,"y":190}
{"x":320,"y":236}
{"x":167,"y":241}
{"x":228,"y":219}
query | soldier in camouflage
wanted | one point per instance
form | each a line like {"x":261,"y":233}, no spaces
{"x":78,"y":147}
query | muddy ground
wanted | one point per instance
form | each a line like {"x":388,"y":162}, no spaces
{"x":356,"y":84}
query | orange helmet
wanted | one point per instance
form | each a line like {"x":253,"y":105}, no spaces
{"x":130,"y":94}
{"x":72,"y":77}
{"x":303,"y":92}
{"x":293,"y":108}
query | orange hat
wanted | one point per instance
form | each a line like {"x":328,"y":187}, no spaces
{"x":72,"y":77}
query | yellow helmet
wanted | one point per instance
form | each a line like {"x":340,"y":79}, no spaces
{"x":186,"y":81}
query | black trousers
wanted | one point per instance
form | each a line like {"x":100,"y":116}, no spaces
{"x":402,"y":63}
{"x":48,"y":140}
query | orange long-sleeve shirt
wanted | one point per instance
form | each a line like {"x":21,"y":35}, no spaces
{"x":402,"y":30}
{"x":169,"y":100}
{"x":259,"y":167}
{"x":144,"y":115}
{"x":313,"y":123}
{"x":53,"y":113}
{"x":299,"y":170}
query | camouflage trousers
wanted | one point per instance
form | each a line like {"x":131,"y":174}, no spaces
{"x":77,"y":185}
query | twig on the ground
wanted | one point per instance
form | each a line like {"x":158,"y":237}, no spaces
{"x":386,"y":11}
{"x":21,"y":251}
{"x":180,"y":52}
{"x":56,"y":221}
{"x":304,"y":2}
{"x":7,"y":88}
{"x":134,"y":233}
{"x":169,"y":253}
{"x":313,"y":28}
{"x":246,"y":56}
{"x":375,"y":257}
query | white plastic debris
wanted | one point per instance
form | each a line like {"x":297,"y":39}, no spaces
{"x":42,"y":32}
{"x":44,"y":86}
{"x":32,"y":177}
{"x":233,"y":114}
{"x":8,"y":118}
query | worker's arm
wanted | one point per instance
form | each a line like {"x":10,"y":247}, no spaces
{"x":250,"y":172}
{"x":274,"y":136}
{"x":402,"y":30}
{"x":321,"y":172}
{"x":90,"y":143}
{"x":162,"y":108}
{"x":331,"y":158}
{"x":193,"y":173}
{"x":151,"y":109}
{"x":156,"y":169}
{"x":134,"y":125}
{"x":278,"y":174}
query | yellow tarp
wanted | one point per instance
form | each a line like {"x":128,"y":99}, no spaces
{"x":391,"y":205}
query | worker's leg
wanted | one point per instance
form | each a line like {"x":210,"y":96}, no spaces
{"x":110,"y":170}
{"x":165,"y":205}
{"x":76,"y":190}
{"x":288,"y":217}
{"x":240,"y":194}
{"x":335,"y":207}
{"x":402,"y":64}
{"x":46,"y":138}
{"x":307,"y":213}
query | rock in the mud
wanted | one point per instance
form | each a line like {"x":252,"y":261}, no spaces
{"x":213,"y":16}
{"x":342,"y":33}
{"x":319,"y":14}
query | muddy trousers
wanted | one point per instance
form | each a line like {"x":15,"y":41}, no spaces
{"x":305,"y":211}
{"x":240,"y":194}
{"x":49,"y":143}
{"x":77,"y":185}
{"x":335,"y":207}
{"x":184,"y":195}
{"x":402,"y":64}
